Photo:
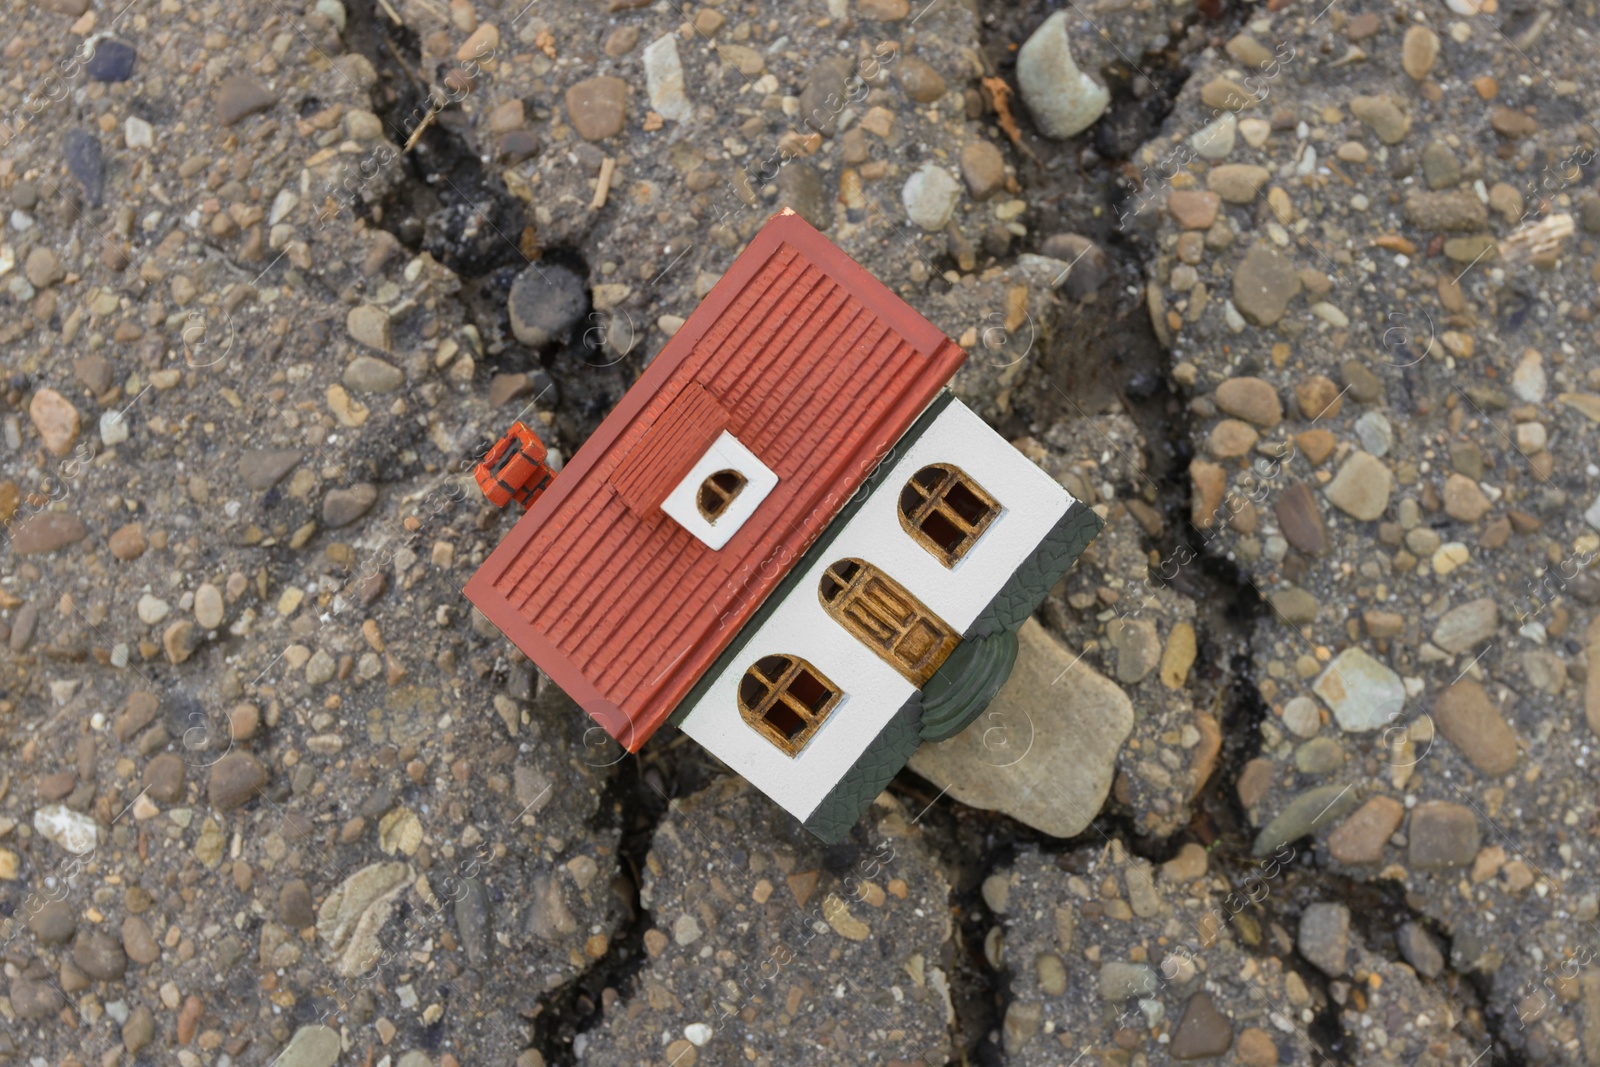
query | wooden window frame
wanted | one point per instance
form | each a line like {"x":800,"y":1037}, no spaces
{"x":723,"y":495}
{"x":921,"y":504}
{"x":778,"y":675}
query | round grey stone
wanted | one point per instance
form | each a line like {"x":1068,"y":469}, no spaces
{"x":930,"y":197}
{"x":1325,"y":937}
{"x":545,"y":303}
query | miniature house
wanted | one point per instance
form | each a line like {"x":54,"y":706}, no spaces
{"x":789,"y":540}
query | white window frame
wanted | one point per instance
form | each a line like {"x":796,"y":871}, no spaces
{"x":725,"y":453}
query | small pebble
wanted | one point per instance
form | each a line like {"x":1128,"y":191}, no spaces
{"x":112,"y":60}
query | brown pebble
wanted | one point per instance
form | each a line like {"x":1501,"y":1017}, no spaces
{"x":47,"y":532}
{"x":1442,"y":834}
{"x":43,"y":268}
{"x":597,"y":107}
{"x":1418,"y":52}
{"x":1383,"y":623}
{"x":33,"y":999}
{"x":243,"y":721}
{"x":138,"y":942}
{"x":1256,"y":1049}
{"x":239,"y":97}
{"x":622,"y":41}
{"x":504,"y":388}
{"x":128,"y":542}
{"x":1202,"y":1032}
{"x":99,"y":955}
{"x":983,"y":168}
{"x":189,"y":1019}
{"x":53,"y":787}
{"x":1193,"y":209}
{"x":1252,"y":399}
{"x":294,"y":905}
{"x":1316,"y":445}
{"x":1495,"y":532}
{"x":140,"y":710}
{"x":1318,"y":398}
{"x":1301,"y":520}
{"x":1463,"y":499}
{"x":1254,"y":780}
{"x":1363,"y":26}
{"x":1523,"y":522}
{"x":235,"y":779}
{"x":1231,"y":438}
{"x":53,"y":924}
{"x":179,"y":641}
{"x":163,"y":778}
{"x":1210,"y":483}
{"x":883,"y":10}
{"x":1361,"y":837}
{"x":1472,"y":724}
{"x":139,"y":1030}
{"x":920,"y":81}
{"x":1512,"y":123}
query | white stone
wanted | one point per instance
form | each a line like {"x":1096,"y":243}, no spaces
{"x":1375,"y":433}
{"x":663,"y":74}
{"x":138,"y":133}
{"x":1216,"y":140}
{"x":1255,"y":131}
{"x":72,"y":830}
{"x":282,"y":204}
{"x":113,"y":428}
{"x":1528,"y":380}
{"x":1592,"y":516}
{"x":930,"y":197}
{"x":1330,"y":314}
{"x":1063,"y":100}
{"x":1362,"y":693}
{"x":1302,"y":717}
{"x":334,"y":12}
{"x":152,"y":609}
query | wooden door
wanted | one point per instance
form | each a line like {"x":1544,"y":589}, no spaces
{"x":881,"y":613}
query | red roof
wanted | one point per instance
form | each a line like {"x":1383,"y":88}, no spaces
{"x":818,"y":369}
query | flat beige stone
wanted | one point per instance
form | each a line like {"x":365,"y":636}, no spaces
{"x":1045,"y":750}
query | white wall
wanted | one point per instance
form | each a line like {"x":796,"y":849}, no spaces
{"x":1031,"y":504}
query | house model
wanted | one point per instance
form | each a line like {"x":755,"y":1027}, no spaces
{"x":788,"y":540}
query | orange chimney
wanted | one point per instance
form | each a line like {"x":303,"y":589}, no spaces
{"x":514,"y":469}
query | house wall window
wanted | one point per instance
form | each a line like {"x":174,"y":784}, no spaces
{"x":945,"y":511}
{"x":786,"y":699}
{"x":718,"y":491}
{"x":887,"y":619}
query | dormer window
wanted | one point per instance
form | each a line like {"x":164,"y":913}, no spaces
{"x":720,"y":492}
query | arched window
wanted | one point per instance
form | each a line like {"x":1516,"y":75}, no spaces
{"x":886,"y":618}
{"x":786,"y":699}
{"x":717,"y":492}
{"x":945,"y":511}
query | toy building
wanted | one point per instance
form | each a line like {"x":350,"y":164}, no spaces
{"x":788,"y":540}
